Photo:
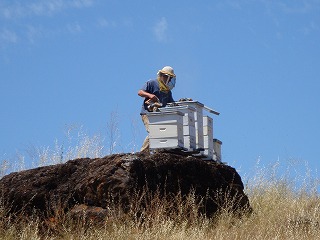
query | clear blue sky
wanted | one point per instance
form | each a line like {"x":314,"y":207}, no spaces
{"x":74,"y":63}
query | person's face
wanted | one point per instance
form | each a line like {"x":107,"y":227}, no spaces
{"x":168,"y":80}
{"x":165,"y":78}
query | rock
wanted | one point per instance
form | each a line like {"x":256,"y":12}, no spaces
{"x":88,"y":185}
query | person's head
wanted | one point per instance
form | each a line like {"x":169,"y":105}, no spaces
{"x":167,"y":75}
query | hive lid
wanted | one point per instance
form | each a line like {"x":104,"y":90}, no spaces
{"x":177,"y":108}
{"x":165,"y":113}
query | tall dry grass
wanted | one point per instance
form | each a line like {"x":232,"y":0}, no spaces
{"x":280,"y":211}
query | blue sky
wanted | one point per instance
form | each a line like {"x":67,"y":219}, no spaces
{"x":65,"y":64}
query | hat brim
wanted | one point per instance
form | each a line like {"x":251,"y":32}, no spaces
{"x":170,"y":74}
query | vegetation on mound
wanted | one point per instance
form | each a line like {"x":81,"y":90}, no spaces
{"x":280,"y":211}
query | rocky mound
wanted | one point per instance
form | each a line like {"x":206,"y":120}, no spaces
{"x":90,"y":184}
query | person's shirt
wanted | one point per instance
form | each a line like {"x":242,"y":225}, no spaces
{"x":152,"y":86}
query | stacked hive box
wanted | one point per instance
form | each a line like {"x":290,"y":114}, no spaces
{"x":208,"y":137}
{"x":198,"y":118}
{"x":165,"y":129}
{"x":183,"y":126}
{"x":217,"y":150}
{"x":204,"y":132}
{"x":189,"y":131}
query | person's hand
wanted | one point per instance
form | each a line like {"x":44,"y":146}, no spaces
{"x":153,"y":98}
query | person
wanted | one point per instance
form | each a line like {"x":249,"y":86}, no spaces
{"x":156,"y":91}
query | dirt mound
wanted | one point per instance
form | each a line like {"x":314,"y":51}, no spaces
{"x":94,"y":182}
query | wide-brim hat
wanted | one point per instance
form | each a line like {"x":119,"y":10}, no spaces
{"x":167,"y":70}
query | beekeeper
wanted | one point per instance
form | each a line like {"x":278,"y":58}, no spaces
{"x":158,"y":92}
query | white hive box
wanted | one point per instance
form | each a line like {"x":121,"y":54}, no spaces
{"x":208,"y":147}
{"x":172,"y":117}
{"x":208,"y":142}
{"x":208,"y":154}
{"x":217,"y":150}
{"x":198,"y":118}
{"x":169,"y":143}
{"x":208,"y":137}
{"x":189,"y":142}
{"x":189,"y":132}
{"x":207,"y":126}
{"x":166,"y":129}
{"x":188,"y":118}
{"x":189,"y":135}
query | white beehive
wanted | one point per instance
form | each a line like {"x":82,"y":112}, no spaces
{"x":166,"y":130}
{"x":208,"y":154}
{"x":170,"y":117}
{"x":207,"y":126}
{"x":208,"y":142}
{"x":189,"y":132}
{"x":189,"y":142}
{"x":183,"y":126}
{"x":208,"y":137}
{"x":170,"y":143}
{"x":217,"y":150}
{"x":198,"y":118}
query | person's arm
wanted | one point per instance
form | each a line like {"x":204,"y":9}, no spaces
{"x":145,"y":94}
